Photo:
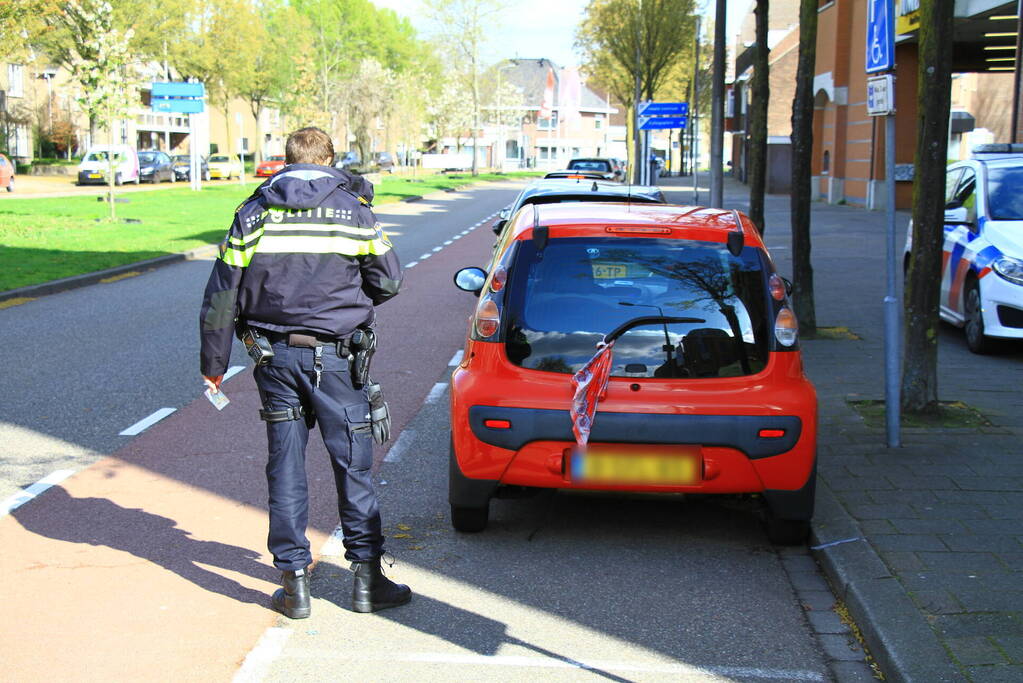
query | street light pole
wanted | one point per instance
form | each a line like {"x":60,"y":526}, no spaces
{"x":717,"y":110}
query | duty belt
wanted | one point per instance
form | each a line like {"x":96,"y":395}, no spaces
{"x":311,"y":341}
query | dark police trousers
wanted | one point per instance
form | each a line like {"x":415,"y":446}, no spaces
{"x":342,"y":414}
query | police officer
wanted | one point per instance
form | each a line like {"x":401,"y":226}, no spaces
{"x":298,"y":276}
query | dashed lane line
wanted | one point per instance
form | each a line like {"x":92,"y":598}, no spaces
{"x":28,"y":493}
{"x":412,"y":264}
{"x":457,"y":358}
{"x":257,"y":662}
{"x":147,"y":422}
{"x":402,"y":444}
{"x":436,"y":392}
{"x":232,"y":371}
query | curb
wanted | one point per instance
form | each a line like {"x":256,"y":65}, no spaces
{"x":86,"y":279}
{"x":897,"y":635}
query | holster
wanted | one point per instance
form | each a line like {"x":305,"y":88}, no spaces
{"x":363,"y":344}
{"x":289,"y":413}
{"x":379,"y":415}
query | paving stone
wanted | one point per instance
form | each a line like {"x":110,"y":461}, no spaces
{"x":985,"y":542}
{"x":937,"y":601}
{"x":928,"y":526}
{"x":826,"y":622}
{"x":986,"y":484}
{"x":974,"y":650}
{"x":1013,"y":561}
{"x":967,"y":625}
{"x":885,"y":511}
{"x":872,"y":527}
{"x":808,"y":581}
{"x":841,"y":647}
{"x":1012,"y":647}
{"x":817,"y":601}
{"x":996,"y":674}
{"x":946,"y":510}
{"x":979,"y":598}
{"x":909,"y":542}
{"x":961,"y":562}
{"x":1004,"y":511}
{"x":901,"y":560}
{"x":1008,"y":527}
{"x":928,"y":483}
{"x":974,"y":497}
{"x":800,"y":563}
{"x":852,"y":672}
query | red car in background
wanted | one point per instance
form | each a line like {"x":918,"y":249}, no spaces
{"x":705,"y":388}
{"x":270,"y":165}
{"x":6,"y":173}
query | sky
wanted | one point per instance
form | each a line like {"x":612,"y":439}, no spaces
{"x":541,"y":28}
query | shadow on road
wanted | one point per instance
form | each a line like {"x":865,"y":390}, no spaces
{"x":157,"y":539}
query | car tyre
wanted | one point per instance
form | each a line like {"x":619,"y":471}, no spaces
{"x":10,"y":185}
{"x":976,"y":340}
{"x":470,"y":520}
{"x":117,"y":179}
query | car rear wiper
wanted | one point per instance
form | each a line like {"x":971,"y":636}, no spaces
{"x":646,"y":320}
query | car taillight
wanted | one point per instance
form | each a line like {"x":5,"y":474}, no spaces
{"x":498,"y":279}
{"x":786,"y":329}
{"x":777,"y":287}
{"x":488,"y":319}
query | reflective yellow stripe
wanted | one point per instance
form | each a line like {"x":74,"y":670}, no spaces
{"x":248,"y":238}
{"x":327,"y":244}
{"x":323,"y":227}
{"x":233,"y":256}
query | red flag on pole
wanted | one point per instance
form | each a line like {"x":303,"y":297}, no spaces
{"x":590,"y":386}
{"x":547,"y":106}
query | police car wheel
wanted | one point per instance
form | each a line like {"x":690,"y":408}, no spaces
{"x":976,"y":340}
{"x":469,"y":520}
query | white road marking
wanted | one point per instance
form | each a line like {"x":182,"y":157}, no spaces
{"x":403,"y":443}
{"x":457,"y":358}
{"x":334,"y":545}
{"x":425,"y":256}
{"x":436,"y":249}
{"x":147,"y":422}
{"x":232,"y":371}
{"x":413,"y":263}
{"x":447,"y":242}
{"x":29,"y":492}
{"x":436,"y":392}
{"x":257,"y":662}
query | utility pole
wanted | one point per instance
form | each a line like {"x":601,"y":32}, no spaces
{"x":717,"y":110}
{"x":695,"y":146}
{"x":637,"y":145}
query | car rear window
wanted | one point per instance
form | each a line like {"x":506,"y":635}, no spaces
{"x":588,"y":165}
{"x":561,"y":304}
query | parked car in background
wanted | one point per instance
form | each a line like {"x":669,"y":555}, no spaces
{"x":982,"y":264}
{"x":183,"y":167}
{"x":225,"y":166}
{"x":270,"y":165}
{"x":383,"y":162}
{"x":6,"y":173}
{"x":95,"y":165}
{"x":575,"y":175}
{"x":347,"y":161}
{"x":681,"y":308}
{"x":155,"y":167}
{"x":557,"y":191}
{"x":597,"y":164}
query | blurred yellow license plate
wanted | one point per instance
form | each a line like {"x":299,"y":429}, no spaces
{"x":604,"y":271}
{"x":95,"y":175}
{"x":650,"y":466}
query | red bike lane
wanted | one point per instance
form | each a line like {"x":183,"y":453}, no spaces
{"x":152,"y":563}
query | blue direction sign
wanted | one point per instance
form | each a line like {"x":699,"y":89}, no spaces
{"x":163,"y":105}
{"x":177,"y":97}
{"x":178,"y":89}
{"x":662,"y":122}
{"x":880,"y":36}
{"x":664,"y":109}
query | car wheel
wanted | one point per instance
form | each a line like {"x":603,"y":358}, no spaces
{"x":10,"y":185}
{"x":976,"y":340}
{"x":787,"y":531}
{"x":117,"y":179}
{"x":470,"y":520}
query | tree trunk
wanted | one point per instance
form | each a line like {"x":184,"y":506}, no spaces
{"x":802,"y":157}
{"x":758,"y":121}
{"x":920,"y":372}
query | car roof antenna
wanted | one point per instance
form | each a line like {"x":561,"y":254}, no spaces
{"x":540,"y":234}
{"x":736,"y":241}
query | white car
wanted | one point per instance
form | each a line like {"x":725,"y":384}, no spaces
{"x":982,"y":260}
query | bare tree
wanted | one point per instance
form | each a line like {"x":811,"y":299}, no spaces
{"x":934,"y":88}
{"x":802,"y":158}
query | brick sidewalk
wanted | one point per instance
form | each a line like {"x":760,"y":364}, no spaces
{"x":934,"y":575}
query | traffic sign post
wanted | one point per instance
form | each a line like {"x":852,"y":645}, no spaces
{"x":664,"y":109}
{"x":662,"y":122}
{"x":880,"y":56}
{"x":179,"y":97}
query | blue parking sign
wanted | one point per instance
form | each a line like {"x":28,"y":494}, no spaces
{"x":880,"y":36}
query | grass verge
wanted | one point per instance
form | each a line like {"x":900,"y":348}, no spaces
{"x":45,"y":239}
{"x":950,"y":415}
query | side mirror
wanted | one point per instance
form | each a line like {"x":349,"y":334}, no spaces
{"x":499,"y":225}
{"x":788,"y":286}
{"x":958,"y":214}
{"x":471,"y":279}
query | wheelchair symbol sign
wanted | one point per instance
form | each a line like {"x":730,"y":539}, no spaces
{"x":880,"y":39}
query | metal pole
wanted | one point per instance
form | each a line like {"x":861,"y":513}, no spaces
{"x":1014,"y":136}
{"x":696,"y":119}
{"x":637,"y":172}
{"x":717,"y":111}
{"x":892,"y":341}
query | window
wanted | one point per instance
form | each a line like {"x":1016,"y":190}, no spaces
{"x":1005,"y":193}
{"x":597,"y":123}
{"x":548,"y":124}
{"x":15,"y":80}
{"x":826,"y":163}
{"x":560,"y":306}
{"x":951,"y":180}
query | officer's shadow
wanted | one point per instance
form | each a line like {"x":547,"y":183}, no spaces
{"x":101,"y":522}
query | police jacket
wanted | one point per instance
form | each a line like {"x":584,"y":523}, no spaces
{"x":304,"y":253}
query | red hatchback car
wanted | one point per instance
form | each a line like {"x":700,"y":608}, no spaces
{"x":706,"y":392}
{"x":269,"y":166}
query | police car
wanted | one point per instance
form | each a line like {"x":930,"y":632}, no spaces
{"x":982,"y":260}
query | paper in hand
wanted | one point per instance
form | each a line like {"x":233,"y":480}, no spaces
{"x":218,"y":399}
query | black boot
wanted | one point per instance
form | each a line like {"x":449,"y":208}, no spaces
{"x":373,"y":591}
{"x":292,"y":600}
